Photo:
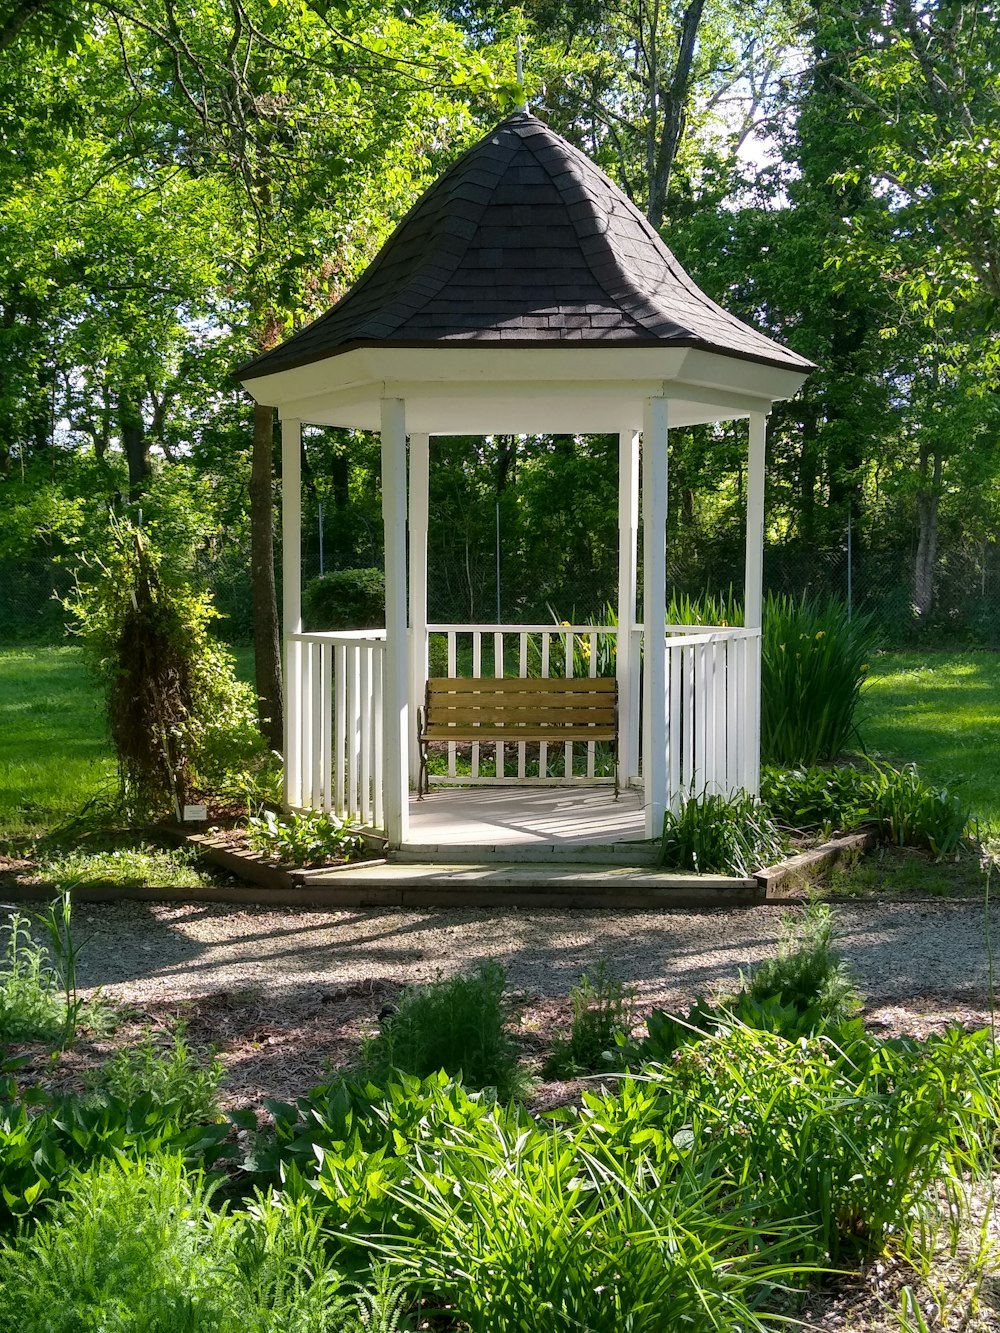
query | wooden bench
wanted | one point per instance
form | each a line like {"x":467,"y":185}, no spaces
{"x":509,"y":710}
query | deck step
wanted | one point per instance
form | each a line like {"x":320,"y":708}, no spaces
{"x":635,"y":854}
{"x":524,"y":885}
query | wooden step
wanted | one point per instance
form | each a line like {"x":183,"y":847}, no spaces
{"x":638,"y":853}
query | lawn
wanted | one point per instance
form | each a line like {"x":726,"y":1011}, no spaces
{"x":941,"y":711}
{"x":54,"y":750}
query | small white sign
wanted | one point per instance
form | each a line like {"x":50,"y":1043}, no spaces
{"x":193,"y":814}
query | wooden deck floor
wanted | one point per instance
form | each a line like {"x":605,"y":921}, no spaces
{"x":522,"y":817}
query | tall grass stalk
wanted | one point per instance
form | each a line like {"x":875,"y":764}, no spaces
{"x":31,"y":1008}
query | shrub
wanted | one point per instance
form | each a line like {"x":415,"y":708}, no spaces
{"x":837,"y":1143}
{"x":182,"y":1084}
{"x":551,"y":1232}
{"x":176,"y":712}
{"x":814,"y":663}
{"x":45,"y":1140}
{"x":345,"y":599}
{"x":808,"y":973}
{"x":140,"y":1247}
{"x":301,"y":839}
{"x":32,"y":1005}
{"x":722,"y":835}
{"x":912,"y":813}
{"x":707,"y":609}
{"x":602,"y":1021}
{"x":808,"y":799}
{"x":455,"y":1025}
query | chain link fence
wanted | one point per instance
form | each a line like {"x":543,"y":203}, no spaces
{"x":879,"y":582}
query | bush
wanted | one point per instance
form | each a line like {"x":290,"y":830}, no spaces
{"x":346,"y":599}
{"x":309,"y":838}
{"x":808,"y":973}
{"x":183,"y":1086}
{"x":32,"y":1004}
{"x":912,"y":813}
{"x":808,"y":799}
{"x":720,"y":835}
{"x":814,"y":663}
{"x":176,"y":712}
{"x":140,"y":1247}
{"x":602,"y":1021}
{"x":455,"y":1025}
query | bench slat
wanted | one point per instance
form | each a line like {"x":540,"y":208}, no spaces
{"x":555,"y":716}
{"x":487,"y":731}
{"x":499,"y":685}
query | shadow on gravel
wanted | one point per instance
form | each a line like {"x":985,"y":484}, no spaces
{"x":894,"y":950}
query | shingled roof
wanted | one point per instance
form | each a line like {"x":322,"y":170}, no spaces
{"x":523,"y":242}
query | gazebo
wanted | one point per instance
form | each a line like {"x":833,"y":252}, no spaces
{"x":522,"y":294}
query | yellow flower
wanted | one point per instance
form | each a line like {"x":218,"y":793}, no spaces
{"x":564,"y":622}
{"x":821,"y":633}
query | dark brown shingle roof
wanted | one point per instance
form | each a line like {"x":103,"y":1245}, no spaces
{"x":523,"y":241}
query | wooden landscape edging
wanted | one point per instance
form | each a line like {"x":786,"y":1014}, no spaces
{"x":807,"y":864}
{"x":518,"y":887}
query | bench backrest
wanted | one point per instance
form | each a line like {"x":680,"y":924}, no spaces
{"x":581,"y":703}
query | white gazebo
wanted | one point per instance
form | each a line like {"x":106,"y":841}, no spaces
{"x":522,"y":294}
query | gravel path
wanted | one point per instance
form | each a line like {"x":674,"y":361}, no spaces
{"x":145,"y":953}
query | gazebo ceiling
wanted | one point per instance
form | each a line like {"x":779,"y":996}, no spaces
{"x":524,"y":292}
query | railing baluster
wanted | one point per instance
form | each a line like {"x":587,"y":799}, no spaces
{"x":364,"y":736}
{"x":452,"y":672}
{"x":522,"y":671}
{"x":543,"y":747}
{"x":568,"y":673}
{"x":477,"y":671}
{"x":675,"y":725}
{"x":498,"y":673}
{"x":378,"y":658}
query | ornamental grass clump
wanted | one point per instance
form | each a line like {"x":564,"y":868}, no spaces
{"x":720,"y":835}
{"x":814,"y":661}
{"x":912,"y":813}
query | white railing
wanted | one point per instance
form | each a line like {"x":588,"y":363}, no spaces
{"x":712,"y":704}
{"x":713,"y":709}
{"x":524,"y":651}
{"x":334,"y":728}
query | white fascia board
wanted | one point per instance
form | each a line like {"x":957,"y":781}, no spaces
{"x":477,"y":391}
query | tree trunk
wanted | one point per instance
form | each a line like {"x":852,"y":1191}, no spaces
{"x":266,"y":645}
{"x":133,"y":432}
{"x":928,"y":499}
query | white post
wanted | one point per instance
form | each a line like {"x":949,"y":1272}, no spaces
{"x":628,"y":552}
{"x":753,"y":594}
{"x":754,"y":567}
{"x":395,"y":689}
{"x":291,"y":603}
{"x":654,"y":614}
{"x":419,"y":469}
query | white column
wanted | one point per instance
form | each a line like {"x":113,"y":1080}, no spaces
{"x":291,"y":603}
{"x":419,"y":469}
{"x":628,"y":553}
{"x":753,"y":591}
{"x":754,"y":567}
{"x":395,"y":689}
{"x":654,"y":614}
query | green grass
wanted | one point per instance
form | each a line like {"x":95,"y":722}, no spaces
{"x":941,"y":711}
{"x":55,"y":753}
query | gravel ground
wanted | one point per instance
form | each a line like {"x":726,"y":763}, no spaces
{"x":143,"y":953}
